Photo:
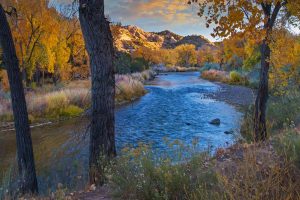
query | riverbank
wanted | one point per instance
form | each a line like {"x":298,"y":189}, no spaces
{"x":212,"y":172}
{"x":241,"y":171}
{"x":236,"y":95}
{"x":231,"y":78}
{"x":61,"y":102}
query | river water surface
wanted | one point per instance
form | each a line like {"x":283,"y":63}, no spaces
{"x":175,"y":107}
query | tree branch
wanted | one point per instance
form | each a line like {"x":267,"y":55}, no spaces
{"x":274,"y":14}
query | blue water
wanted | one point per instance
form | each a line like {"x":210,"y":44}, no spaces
{"x":175,"y":108}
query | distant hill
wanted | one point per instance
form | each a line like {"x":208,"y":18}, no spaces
{"x":129,"y":38}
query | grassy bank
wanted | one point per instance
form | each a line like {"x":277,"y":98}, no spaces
{"x":233,"y":77}
{"x":242,"y":171}
{"x":70,"y":100}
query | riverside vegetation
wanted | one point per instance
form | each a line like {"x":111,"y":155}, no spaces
{"x":250,"y":169}
{"x":72,"y":99}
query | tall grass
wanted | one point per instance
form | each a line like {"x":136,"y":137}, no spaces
{"x":72,"y":99}
{"x":215,"y":75}
{"x":241,"y":172}
{"x":234,"y":77}
{"x":140,"y":174}
{"x":128,"y":88}
{"x":258,"y":172}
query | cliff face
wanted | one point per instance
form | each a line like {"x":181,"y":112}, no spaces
{"x":129,"y":38}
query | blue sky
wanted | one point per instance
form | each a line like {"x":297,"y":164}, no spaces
{"x":158,"y":15}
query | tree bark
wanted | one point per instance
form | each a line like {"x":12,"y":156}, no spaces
{"x":99,"y":45}
{"x":27,"y":174}
{"x":260,"y":129}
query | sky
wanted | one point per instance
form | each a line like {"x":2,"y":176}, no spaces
{"x":158,"y":15}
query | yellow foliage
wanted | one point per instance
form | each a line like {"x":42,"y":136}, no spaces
{"x":186,"y":55}
{"x":285,"y":61}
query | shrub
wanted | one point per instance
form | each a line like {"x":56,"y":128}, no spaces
{"x":56,"y":102}
{"x":215,"y":75}
{"x":80,"y":97}
{"x":259,"y":174}
{"x":284,"y":111}
{"x":288,"y":143}
{"x":128,"y":88}
{"x":138,"y":174}
{"x":235,"y":77}
{"x":209,"y":66}
{"x":33,"y":85}
{"x":138,"y":65}
{"x":71,"y":111}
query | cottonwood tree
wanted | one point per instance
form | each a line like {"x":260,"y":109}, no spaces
{"x":253,"y":18}
{"x":99,"y":44}
{"x":27,"y":174}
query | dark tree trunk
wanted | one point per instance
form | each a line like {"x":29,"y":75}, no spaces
{"x":99,"y":45}
{"x":28,"y":181}
{"x":260,"y":129}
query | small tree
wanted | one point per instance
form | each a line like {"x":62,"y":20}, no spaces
{"x":253,"y":18}
{"x":27,"y":179}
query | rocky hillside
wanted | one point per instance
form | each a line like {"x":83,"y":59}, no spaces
{"x":129,"y":38}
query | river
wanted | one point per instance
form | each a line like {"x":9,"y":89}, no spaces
{"x":175,"y":107}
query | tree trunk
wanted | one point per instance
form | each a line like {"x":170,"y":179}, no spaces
{"x":27,"y":175}
{"x":99,"y":45}
{"x":260,"y":129}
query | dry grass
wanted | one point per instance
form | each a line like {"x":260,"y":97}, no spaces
{"x":256,"y":171}
{"x":128,"y":88}
{"x":234,"y":78}
{"x":54,"y":101}
{"x":215,"y":75}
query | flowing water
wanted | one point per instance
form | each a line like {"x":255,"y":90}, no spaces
{"x":175,"y":107}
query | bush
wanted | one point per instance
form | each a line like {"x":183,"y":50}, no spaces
{"x":138,"y":174}
{"x":235,"y":77}
{"x":215,"y":75}
{"x":71,"y":111}
{"x":56,"y":102}
{"x":288,"y":143}
{"x":126,"y":64}
{"x":209,"y":66}
{"x":128,"y":88}
{"x":284,"y":111}
{"x":257,"y":172}
{"x":138,"y":65}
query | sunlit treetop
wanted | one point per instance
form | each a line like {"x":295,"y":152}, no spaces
{"x":247,"y":16}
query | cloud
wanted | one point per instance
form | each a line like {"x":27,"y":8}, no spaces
{"x":164,"y":11}
{"x":156,"y":15}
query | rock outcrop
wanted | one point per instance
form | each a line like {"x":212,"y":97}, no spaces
{"x":130,"y":38}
